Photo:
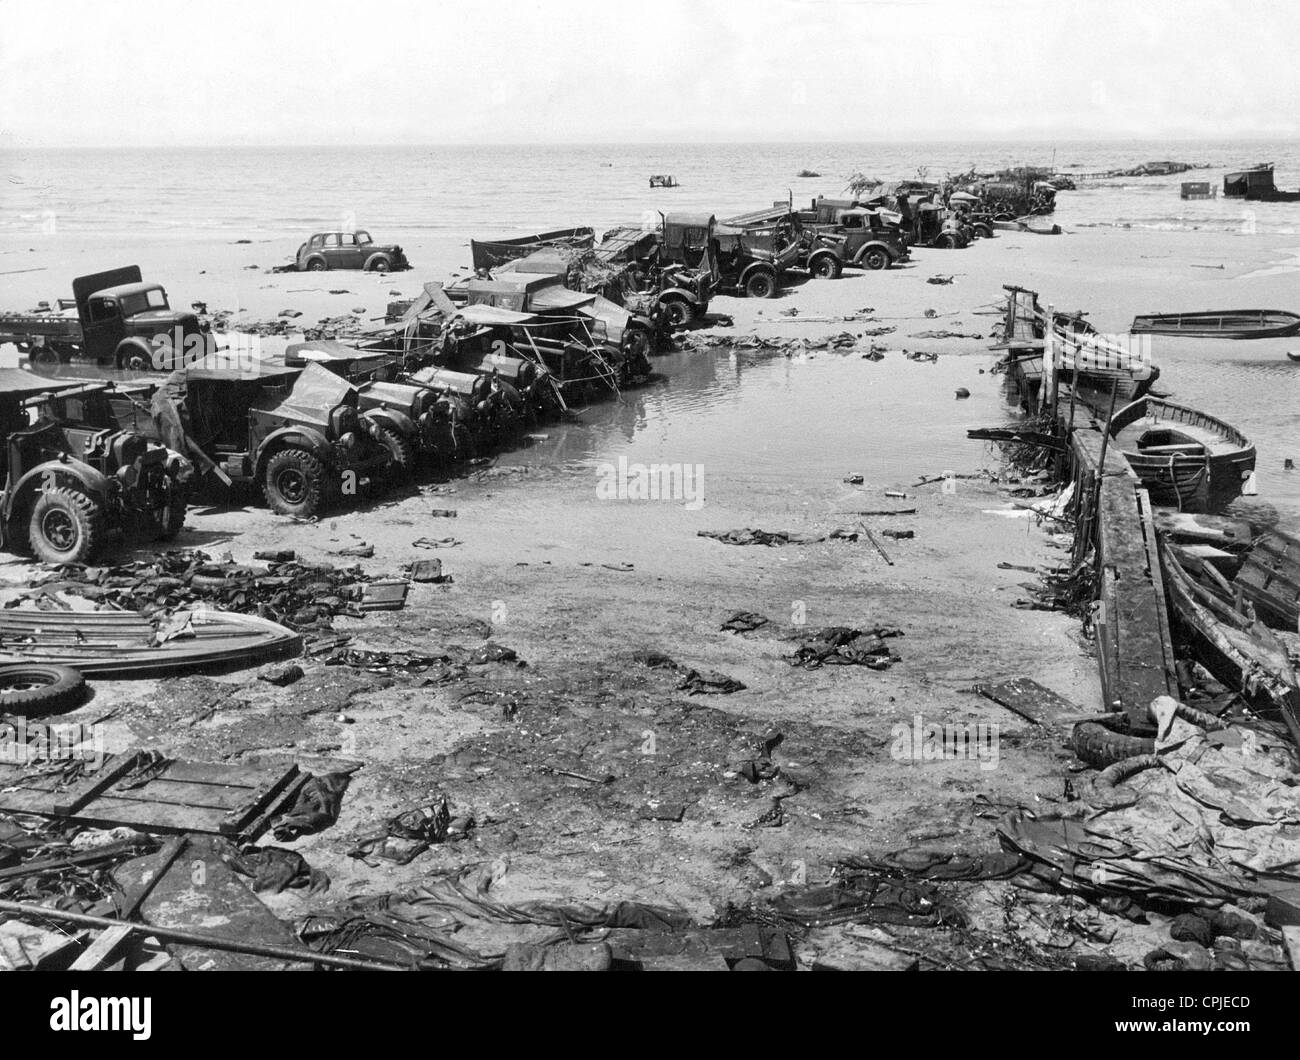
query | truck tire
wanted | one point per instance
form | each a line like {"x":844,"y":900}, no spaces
{"x":64,"y":526}
{"x":32,"y":689}
{"x":826,"y":267}
{"x":1110,"y":740}
{"x":44,"y":357}
{"x":133,"y":358}
{"x":169,"y":520}
{"x":947,"y":241}
{"x":679,"y":313}
{"x":638,"y":345}
{"x":875,"y":258}
{"x":761,"y":285}
{"x":294,"y":483}
{"x":983,"y":231}
{"x":401,"y":454}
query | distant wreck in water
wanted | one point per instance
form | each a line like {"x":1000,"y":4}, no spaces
{"x":664,"y":180}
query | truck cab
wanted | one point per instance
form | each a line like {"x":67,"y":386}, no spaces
{"x":130,"y":324}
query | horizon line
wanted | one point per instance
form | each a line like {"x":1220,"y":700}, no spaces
{"x":6,"y":144}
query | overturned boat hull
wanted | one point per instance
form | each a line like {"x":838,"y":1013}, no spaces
{"x":128,"y":644}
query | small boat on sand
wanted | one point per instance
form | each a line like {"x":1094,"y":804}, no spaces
{"x":1220,"y":324}
{"x":1185,"y":458}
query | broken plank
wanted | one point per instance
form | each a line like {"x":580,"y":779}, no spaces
{"x":1029,"y":699}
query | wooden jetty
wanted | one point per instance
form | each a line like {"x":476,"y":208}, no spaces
{"x":1113,"y":514}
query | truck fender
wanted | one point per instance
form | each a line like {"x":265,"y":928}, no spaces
{"x":302,"y":437}
{"x":669,"y":293}
{"x":874,"y":244}
{"x":758,"y":266}
{"x":396,"y":421}
{"x":54,"y":474}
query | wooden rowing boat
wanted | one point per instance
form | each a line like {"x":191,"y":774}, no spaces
{"x":1185,"y":458}
{"x":1220,"y":324}
{"x":1241,"y":652}
{"x":1270,"y":579}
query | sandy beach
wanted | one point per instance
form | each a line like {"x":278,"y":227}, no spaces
{"x":578,"y":586}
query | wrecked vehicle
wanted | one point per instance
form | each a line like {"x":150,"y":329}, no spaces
{"x":409,"y":420}
{"x":596,"y":342}
{"x":73,"y":478}
{"x":348,"y":250}
{"x":488,"y":255}
{"x":297,"y":432}
{"x":113,"y":318}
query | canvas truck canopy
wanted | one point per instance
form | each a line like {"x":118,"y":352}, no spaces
{"x":315,"y":392}
{"x":20,"y":383}
{"x":556,"y":297}
{"x":487,"y":316}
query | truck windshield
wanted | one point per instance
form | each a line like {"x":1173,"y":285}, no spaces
{"x":154,"y":298}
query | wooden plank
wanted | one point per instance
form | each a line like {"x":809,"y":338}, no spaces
{"x":238,"y":819}
{"x":109,"y":772}
{"x":221,"y":797}
{"x":1029,"y":699}
{"x":1162,"y":601}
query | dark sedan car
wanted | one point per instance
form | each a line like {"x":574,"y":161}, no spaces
{"x":348,"y":250}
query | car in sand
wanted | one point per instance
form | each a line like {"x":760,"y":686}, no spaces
{"x":348,"y":250}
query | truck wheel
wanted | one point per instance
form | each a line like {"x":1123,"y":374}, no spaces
{"x":31,"y":689}
{"x":134,"y":359}
{"x":401,"y":455}
{"x":317,"y":265}
{"x":679,"y":313}
{"x":638,"y":345}
{"x":875,"y":259}
{"x":64,"y":526}
{"x":983,"y":231}
{"x":379,"y":265}
{"x":947,"y":241}
{"x":44,"y":357}
{"x":295,"y":483}
{"x":826,"y":267}
{"x":169,"y":520}
{"x":761,"y":285}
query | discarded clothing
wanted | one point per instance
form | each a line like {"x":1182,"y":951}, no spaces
{"x":403,"y":838}
{"x":709,"y":683}
{"x":316,"y":808}
{"x":744,"y":622}
{"x":843,"y":646}
{"x":276,"y":869}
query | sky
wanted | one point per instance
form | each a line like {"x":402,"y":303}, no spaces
{"x":187,"y":72}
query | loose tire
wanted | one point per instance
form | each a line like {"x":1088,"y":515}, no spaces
{"x":31,"y":689}
{"x":64,"y":526}
{"x":401,"y":454}
{"x":875,"y":259}
{"x":294,"y":483}
{"x":761,"y":285}
{"x":826,"y":267}
{"x":1107,"y":741}
{"x":679,"y":313}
